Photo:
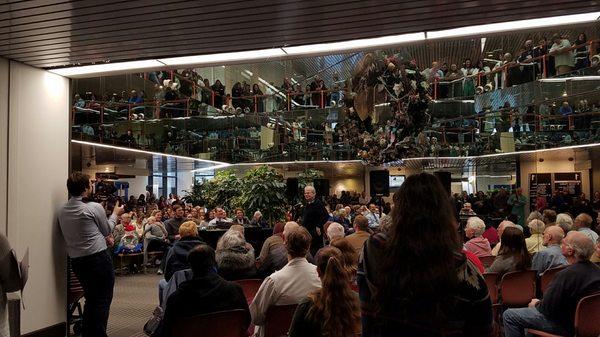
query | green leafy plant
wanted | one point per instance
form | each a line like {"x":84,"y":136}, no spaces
{"x":263,"y":189}
{"x":222,"y":190}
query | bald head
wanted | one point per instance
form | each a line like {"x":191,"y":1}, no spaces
{"x":577,"y":247}
{"x":503,"y":225}
{"x":553,"y":235}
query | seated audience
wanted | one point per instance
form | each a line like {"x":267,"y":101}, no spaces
{"x":549,"y":217}
{"x":552,"y":256}
{"x":361,"y":233}
{"x":414,"y":279}
{"x":177,"y":255}
{"x":564,"y":221}
{"x":491,"y":233}
{"x":257,"y":220}
{"x":372,"y":214}
{"x":467,"y":210}
{"x":335,"y":231}
{"x":555,"y":313}
{"x":535,"y":241}
{"x":477,"y":244}
{"x":235,"y":257}
{"x":220,"y":218}
{"x":172,"y":225}
{"x":501,"y":227}
{"x":289,"y":285}
{"x":596,"y":256}
{"x":513,"y":255}
{"x":205,"y":293}
{"x":349,"y":256}
{"x":240,"y":218}
{"x":582,"y":224}
{"x":273,"y":255}
{"x":333,"y":310}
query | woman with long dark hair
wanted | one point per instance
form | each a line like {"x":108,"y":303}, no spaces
{"x":414,"y":279}
{"x":332,"y":311}
{"x":513,"y":254}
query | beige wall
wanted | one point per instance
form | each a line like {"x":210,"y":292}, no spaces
{"x":3,"y":141}
{"x":38,"y":143}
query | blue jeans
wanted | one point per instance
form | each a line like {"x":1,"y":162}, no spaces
{"x":517,"y":320}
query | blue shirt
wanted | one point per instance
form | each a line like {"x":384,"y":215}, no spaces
{"x":84,"y":226}
{"x":548,"y":258}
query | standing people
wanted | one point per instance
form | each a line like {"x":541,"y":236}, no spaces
{"x":87,"y":232}
{"x":314,"y":217}
{"x":518,"y":201}
{"x":414,"y":278}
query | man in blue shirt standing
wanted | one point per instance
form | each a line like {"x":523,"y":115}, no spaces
{"x":87,"y":233}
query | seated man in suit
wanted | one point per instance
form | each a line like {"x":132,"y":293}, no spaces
{"x":205,"y":293}
{"x":555,"y":313}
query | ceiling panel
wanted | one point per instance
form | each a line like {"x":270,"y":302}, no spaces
{"x":53,"y":33}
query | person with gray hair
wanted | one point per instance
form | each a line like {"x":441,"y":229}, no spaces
{"x":477,"y":244}
{"x":552,"y":256}
{"x":234,"y":256}
{"x":335,"y":231}
{"x":564,"y":221}
{"x":501,"y":227}
{"x":534,"y":242}
{"x":555,"y":313}
{"x":582,"y":224}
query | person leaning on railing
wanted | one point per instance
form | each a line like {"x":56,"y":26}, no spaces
{"x":563,"y":61}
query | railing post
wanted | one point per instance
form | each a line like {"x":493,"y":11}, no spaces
{"x":435,"y":88}
{"x":545,"y":64}
{"x":212,"y":98}
{"x":101,"y":114}
{"x":505,"y":73}
{"x":129,"y":111}
{"x":570,"y":122}
{"x":187,"y":107}
{"x":255,"y":104}
{"x":322,"y":100}
{"x":289,"y":103}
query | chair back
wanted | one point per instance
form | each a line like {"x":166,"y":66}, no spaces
{"x":279,"y":319}
{"x":229,"y":323}
{"x":517,"y":288}
{"x":548,"y":276}
{"x":491,"y":281}
{"x":487,"y":260}
{"x":74,"y":288}
{"x":588,"y":308}
{"x":250,"y":287}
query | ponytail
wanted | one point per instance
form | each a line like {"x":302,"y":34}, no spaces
{"x":336,"y":304}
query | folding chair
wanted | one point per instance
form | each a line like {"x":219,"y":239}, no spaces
{"x":279,"y":319}
{"x":223,"y":324}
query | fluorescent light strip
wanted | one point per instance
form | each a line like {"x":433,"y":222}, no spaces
{"x":515,"y":25}
{"x":354,"y":44}
{"x":216,"y":167}
{"x":147,"y":152}
{"x":493,"y":155}
{"x":300,"y":162}
{"x":107,"y":67}
{"x":224,"y":57}
{"x":576,"y":78}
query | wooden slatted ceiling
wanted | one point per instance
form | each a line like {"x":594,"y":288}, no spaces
{"x":51,"y":33}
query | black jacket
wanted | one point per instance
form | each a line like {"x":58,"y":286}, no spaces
{"x":314,"y":215}
{"x":172,"y":227}
{"x":177,"y":255}
{"x":202,"y":295}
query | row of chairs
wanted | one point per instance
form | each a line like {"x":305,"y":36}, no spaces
{"x":516,"y":289}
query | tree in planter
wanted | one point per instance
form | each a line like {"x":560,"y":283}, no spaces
{"x":222,"y":191}
{"x":263,"y":189}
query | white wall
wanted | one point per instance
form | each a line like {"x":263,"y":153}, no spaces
{"x":137,"y":185}
{"x":38,"y":157}
{"x":3,"y":141}
{"x":185,"y":180}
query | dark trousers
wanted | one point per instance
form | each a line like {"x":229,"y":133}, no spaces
{"x":317,"y":242}
{"x":97,"y":277}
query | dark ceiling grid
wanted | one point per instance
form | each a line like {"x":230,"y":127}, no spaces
{"x":47,"y":33}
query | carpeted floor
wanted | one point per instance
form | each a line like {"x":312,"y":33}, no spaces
{"x":134,"y":299}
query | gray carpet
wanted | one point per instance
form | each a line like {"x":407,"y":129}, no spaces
{"x":134,"y":299}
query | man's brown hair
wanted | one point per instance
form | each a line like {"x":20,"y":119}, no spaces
{"x":297,"y":242}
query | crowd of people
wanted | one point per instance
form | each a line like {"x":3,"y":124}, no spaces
{"x":410,"y":269}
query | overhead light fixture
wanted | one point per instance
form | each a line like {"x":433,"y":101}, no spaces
{"x":106,"y":68}
{"x":354,"y":44}
{"x":250,"y":55}
{"x":515,"y":25}
{"x":574,"y":78}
